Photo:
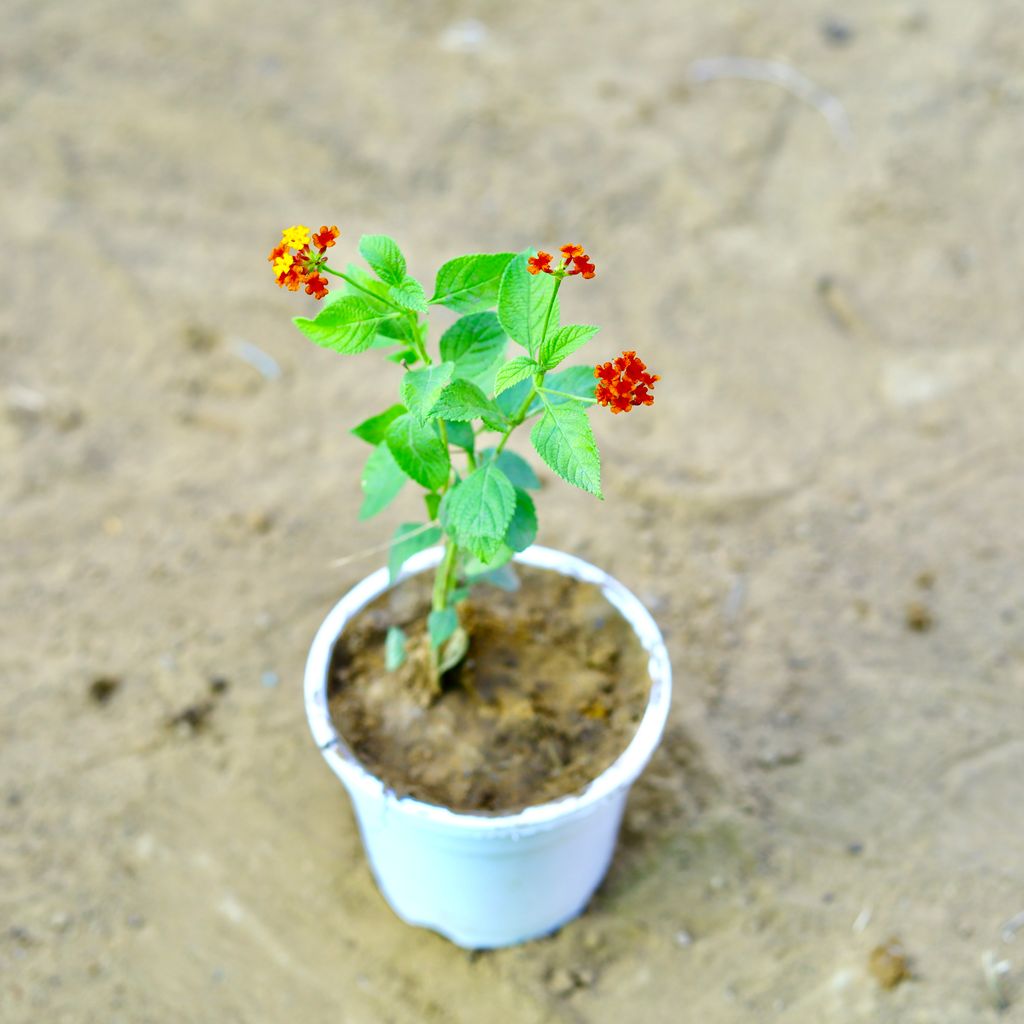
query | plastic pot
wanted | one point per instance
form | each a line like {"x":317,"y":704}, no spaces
{"x":498,"y":879}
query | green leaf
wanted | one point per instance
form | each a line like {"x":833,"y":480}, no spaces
{"x":515,"y":467}
{"x":394,"y":649}
{"x":475,"y":568}
{"x":511,"y":400}
{"x":462,"y":400}
{"x":522,"y":530}
{"x":441,"y":625}
{"x":504,"y":577}
{"x":460,"y":434}
{"x":564,"y":440}
{"x":474,"y":343}
{"x":523,"y":302}
{"x":576,"y":380}
{"x":433,"y":503}
{"x":513,"y":372}
{"x":409,"y":294}
{"x":470,"y":283}
{"x":422,"y":388}
{"x":564,"y":342}
{"x":372,"y":430}
{"x":384,"y":256}
{"x":409,"y":539}
{"x":454,"y":651}
{"x":348,"y":325}
{"x":381,"y":481}
{"x":477,"y":511}
{"x":419,"y":451}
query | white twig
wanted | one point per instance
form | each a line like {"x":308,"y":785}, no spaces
{"x":1013,"y":926}
{"x":340,"y":563}
{"x":995,"y":975}
{"x":782,"y":75}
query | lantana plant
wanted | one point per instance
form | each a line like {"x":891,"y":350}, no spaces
{"x":459,"y":407}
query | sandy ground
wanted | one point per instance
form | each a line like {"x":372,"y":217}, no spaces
{"x":838,"y":436}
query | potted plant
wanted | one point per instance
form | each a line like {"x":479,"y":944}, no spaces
{"x":486,"y":721}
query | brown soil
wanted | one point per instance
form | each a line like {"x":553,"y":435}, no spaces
{"x":550,"y":693}
{"x":839,"y":333}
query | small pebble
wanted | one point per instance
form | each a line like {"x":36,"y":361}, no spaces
{"x":889,"y":963}
{"x":219,"y":685}
{"x":592,"y":940}
{"x":561,"y":982}
{"x":918,"y":617}
{"x":855,"y":849}
{"x":836,"y":31}
{"x":683,"y":938}
{"x":270,"y":679}
{"x":60,"y":921}
{"x":103,"y":688}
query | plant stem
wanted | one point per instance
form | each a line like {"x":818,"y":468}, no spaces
{"x":547,"y":316}
{"x":565,"y":394}
{"x":443,"y":577}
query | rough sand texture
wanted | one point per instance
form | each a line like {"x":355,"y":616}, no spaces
{"x":840,"y":337}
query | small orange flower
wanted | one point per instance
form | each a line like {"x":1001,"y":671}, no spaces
{"x":571,"y":251}
{"x":540,"y":263}
{"x":624,"y":383}
{"x":581,"y":265}
{"x":316,"y":285}
{"x":325,"y":238}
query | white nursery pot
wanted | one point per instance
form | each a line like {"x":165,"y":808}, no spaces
{"x":487,"y":880}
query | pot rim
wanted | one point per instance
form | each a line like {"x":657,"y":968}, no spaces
{"x":617,"y":776}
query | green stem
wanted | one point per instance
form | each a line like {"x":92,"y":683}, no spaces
{"x":547,"y":316}
{"x":366,"y":291}
{"x":565,"y":394}
{"x":443,"y":577}
{"x":517,"y":419}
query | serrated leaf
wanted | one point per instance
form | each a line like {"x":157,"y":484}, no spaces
{"x":564,"y":342}
{"x":419,"y":451}
{"x":514,"y":371}
{"x":422,"y":388}
{"x":523,"y":303}
{"x":408,"y":540}
{"x":441,"y":625}
{"x":460,"y":434}
{"x":564,"y":440}
{"x":476,"y":512}
{"x":394,"y":649}
{"x":522,"y":530}
{"x":384,"y":256}
{"x":409,"y":294}
{"x":347,"y":325}
{"x":515,"y":467}
{"x":372,"y":430}
{"x":381,"y":481}
{"x":470,"y":283}
{"x":475,"y":343}
{"x":462,"y":400}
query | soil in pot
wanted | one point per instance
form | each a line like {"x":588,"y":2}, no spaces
{"x":551,"y":692}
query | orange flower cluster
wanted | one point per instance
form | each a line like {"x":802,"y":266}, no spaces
{"x":624,"y":383}
{"x":574,"y":261}
{"x":296,"y":264}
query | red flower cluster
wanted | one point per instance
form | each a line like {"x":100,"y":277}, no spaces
{"x":574,"y":261}
{"x":292,"y":270}
{"x":624,"y":383}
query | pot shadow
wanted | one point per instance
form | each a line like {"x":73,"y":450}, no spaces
{"x":685,"y":781}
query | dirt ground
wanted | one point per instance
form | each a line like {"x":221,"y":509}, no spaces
{"x":823,"y":508}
